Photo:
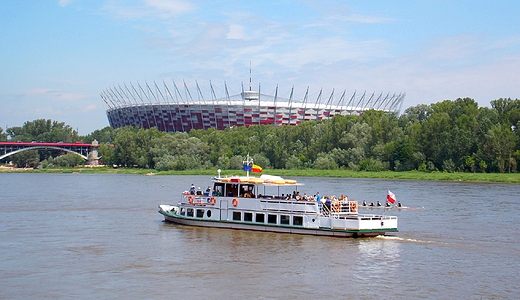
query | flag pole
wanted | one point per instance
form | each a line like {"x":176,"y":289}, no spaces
{"x":248,"y":162}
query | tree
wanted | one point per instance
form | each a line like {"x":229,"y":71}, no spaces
{"x":42,"y":130}
{"x":105,"y":135}
{"x":26,"y":159}
{"x":107,"y":154}
{"x":66,"y":160}
{"x":3,"y":136}
{"x":179,"y":151}
{"x":499,"y":147}
{"x":125,"y":146}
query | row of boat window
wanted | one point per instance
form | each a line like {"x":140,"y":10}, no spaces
{"x":258,"y":217}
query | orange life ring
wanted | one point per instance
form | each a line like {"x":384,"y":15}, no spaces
{"x":191,"y":199}
{"x":335,"y":206}
{"x":234,"y":202}
{"x":212,"y":201}
{"x":353,"y":206}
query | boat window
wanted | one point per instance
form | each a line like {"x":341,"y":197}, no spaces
{"x":260,"y":218}
{"x":183,"y":211}
{"x":237,"y":216}
{"x":231,"y":190}
{"x":200,"y":213}
{"x":218,"y":189}
{"x":271,"y":219}
{"x":208,"y":213}
{"x":297,"y":221}
{"x":284,"y":219}
{"x":248,"y":217}
{"x":247,"y":191}
{"x":190,"y":212}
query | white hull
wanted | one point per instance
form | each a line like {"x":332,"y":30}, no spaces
{"x":241,"y":226}
{"x":354,"y":226}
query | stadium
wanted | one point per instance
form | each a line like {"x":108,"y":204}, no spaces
{"x":170,"y":108}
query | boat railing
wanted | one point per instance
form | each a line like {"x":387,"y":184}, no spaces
{"x":198,"y":199}
{"x":338,"y":208}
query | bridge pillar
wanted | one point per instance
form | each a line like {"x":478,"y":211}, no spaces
{"x":93,"y":159}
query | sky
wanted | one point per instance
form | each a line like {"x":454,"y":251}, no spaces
{"x":57,"y":56}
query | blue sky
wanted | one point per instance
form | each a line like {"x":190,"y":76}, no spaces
{"x":57,"y":56}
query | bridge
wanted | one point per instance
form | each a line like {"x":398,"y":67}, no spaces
{"x":88,"y":152}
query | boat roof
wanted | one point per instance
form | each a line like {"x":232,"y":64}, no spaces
{"x":265,"y":180}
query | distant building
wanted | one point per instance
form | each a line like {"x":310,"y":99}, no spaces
{"x":172,"y":109}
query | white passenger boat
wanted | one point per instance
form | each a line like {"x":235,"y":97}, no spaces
{"x":255,"y":203}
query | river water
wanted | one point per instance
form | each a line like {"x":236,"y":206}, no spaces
{"x":99,"y":236}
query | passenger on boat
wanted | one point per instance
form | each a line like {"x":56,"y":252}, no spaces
{"x":199,"y":191}
{"x":371,"y":203}
{"x":208,"y":191}
{"x":365,"y":203}
{"x":387,"y":204}
{"x":318,"y":196}
{"x":192,"y":189}
{"x":378,"y":203}
{"x":399,"y":204}
{"x":327,"y":203}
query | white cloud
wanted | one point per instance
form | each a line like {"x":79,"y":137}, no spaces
{"x":170,"y":7}
{"x":236,"y":32}
{"x":53,"y":94}
{"x":162,"y":9}
{"x":64,"y":3}
{"x":87,"y":108}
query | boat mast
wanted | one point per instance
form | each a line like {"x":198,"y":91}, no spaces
{"x":248,"y":163}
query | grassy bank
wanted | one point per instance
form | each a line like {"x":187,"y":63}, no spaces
{"x":415,"y":175}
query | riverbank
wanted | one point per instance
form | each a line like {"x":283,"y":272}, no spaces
{"x":414,"y":175}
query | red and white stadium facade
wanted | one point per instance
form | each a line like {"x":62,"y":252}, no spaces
{"x":168,"y":109}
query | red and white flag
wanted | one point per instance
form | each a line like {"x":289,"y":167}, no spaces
{"x":390,"y":197}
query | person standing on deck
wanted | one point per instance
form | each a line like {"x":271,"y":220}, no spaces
{"x":318,"y":196}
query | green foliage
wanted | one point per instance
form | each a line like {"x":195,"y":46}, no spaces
{"x":371,"y":165}
{"x":107,"y":154}
{"x":26,"y":159}
{"x":3,"y":135}
{"x":294,"y":163}
{"x":448,"y":136}
{"x":325,"y":162}
{"x":236,"y":162}
{"x":103,"y":136}
{"x":65,"y":160}
{"x":43,"y":131}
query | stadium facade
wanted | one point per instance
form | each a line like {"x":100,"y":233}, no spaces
{"x":169,"y":108}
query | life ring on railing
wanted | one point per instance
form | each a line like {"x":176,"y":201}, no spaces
{"x":353,"y":206}
{"x":212,"y":201}
{"x":191,"y":199}
{"x":335,"y":206}
{"x":234,"y":202}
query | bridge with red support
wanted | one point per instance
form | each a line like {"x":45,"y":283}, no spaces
{"x":86,"y":151}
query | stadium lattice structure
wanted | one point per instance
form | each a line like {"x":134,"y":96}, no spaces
{"x":172,"y":109}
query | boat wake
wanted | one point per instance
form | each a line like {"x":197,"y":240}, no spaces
{"x":396,"y":238}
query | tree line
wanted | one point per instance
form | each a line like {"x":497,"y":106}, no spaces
{"x":449,"y":136}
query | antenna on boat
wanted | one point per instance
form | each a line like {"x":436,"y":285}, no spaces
{"x":248,"y":164}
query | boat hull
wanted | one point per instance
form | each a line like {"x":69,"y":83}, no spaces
{"x":332,"y":232}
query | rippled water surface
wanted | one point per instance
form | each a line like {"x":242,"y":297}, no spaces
{"x":100,"y":237}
